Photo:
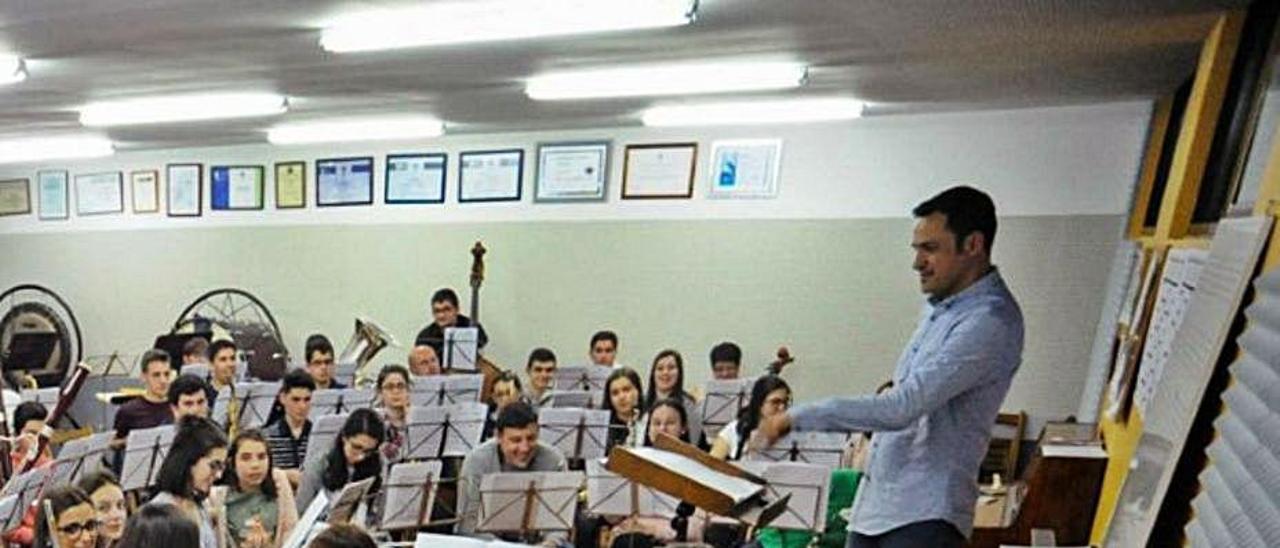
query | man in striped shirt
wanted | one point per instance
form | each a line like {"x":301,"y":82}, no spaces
{"x":287,"y":436}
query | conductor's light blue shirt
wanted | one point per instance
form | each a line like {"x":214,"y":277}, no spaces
{"x":933,"y":427}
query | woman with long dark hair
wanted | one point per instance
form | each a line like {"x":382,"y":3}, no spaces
{"x":770,"y":396}
{"x":667,"y":417}
{"x":622,"y":400}
{"x":259,"y":500}
{"x":352,"y":457}
{"x":666,"y":380}
{"x":194,"y":463}
{"x":108,"y":500}
{"x":73,"y":524}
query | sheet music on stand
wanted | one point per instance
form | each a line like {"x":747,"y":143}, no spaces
{"x":329,"y":401}
{"x":824,"y":448}
{"x":590,"y":378}
{"x":47,"y":397}
{"x":222,"y":404}
{"x":308,"y":524}
{"x":324,"y":431}
{"x":722,"y":401}
{"x":257,"y":398}
{"x":581,"y":399}
{"x":809,"y":486}
{"x":609,"y":494}
{"x":26,"y":487}
{"x":446,"y":389}
{"x":345,"y":373}
{"x":410,"y":493}
{"x":81,"y":456}
{"x":144,"y":452}
{"x":444,"y":431}
{"x":577,"y":433}
{"x":202,"y":370}
{"x":460,"y":345}
{"x":345,"y":505}
{"x":435,"y":540}
{"x":528,"y":501}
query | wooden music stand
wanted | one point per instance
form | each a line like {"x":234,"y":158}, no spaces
{"x":528,"y":502}
{"x":410,"y":495}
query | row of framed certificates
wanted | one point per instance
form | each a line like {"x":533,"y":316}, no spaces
{"x":566,"y":172}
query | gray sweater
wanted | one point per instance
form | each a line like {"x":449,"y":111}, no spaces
{"x":487,"y":459}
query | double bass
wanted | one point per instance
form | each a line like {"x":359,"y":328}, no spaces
{"x":486,"y":367}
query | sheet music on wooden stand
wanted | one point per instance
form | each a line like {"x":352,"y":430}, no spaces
{"x":144,"y":452}
{"x":577,"y":433}
{"x":434,"y":540}
{"x":80,"y":456}
{"x":25,"y":488}
{"x":824,"y":448}
{"x":446,"y":389}
{"x":526,"y":502}
{"x":581,"y":399}
{"x":722,"y":401}
{"x":590,"y":378}
{"x":460,"y":346}
{"x":324,"y":431}
{"x":609,"y":494}
{"x":344,"y":506}
{"x":343,"y":400}
{"x":683,"y":471}
{"x":807,"y":485}
{"x":446,"y":431}
{"x":410,"y":493}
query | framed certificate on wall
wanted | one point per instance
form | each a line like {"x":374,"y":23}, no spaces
{"x":15,"y":197}
{"x":659,"y":171}
{"x":490,"y":176}
{"x":185,"y":185}
{"x":745,"y":168}
{"x":572,"y":172}
{"x":145,"y":186}
{"x":344,"y":181}
{"x":415,"y":178}
{"x":99,"y":193}
{"x":291,"y":185}
{"x":51,"y":188}
{"x":236,"y":187}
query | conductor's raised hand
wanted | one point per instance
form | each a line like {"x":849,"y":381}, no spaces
{"x":772,"y":428}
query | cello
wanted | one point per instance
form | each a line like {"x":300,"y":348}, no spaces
{"x":486,"y":367}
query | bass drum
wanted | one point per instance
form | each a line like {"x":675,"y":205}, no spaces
{"x":31,"y":308}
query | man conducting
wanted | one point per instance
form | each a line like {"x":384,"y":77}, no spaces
{"x":932,"y":428}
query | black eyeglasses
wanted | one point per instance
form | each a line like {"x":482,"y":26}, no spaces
{"x":75,"y":529}
{"x":217,"y":465}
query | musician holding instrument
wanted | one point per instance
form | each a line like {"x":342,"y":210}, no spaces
{"x":319,"y":353}
{"x":444,"y":314}
{"x":66,"y":519}
{"x":222,"y":366}
{"x":188,"y":397}
{"x":152,"y":409}
{"x":28,"y":422}
{"x":933,"y":427}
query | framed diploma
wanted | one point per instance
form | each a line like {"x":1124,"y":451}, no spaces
{"x":99,"y":193}
{"x":51,"y":187}
{"x":415,"y":178}
{"x":745,"y":169}
{"x":572,"y":172}
{"x":291,"y":185}
{"x":490,"y":176}
{"x":185,"y":184}
{"x":15,"y":197}
{"x":344,"y":181}
{"x":663,"y":170}
{"x":145,"y":186}
{"x":236,"y":187}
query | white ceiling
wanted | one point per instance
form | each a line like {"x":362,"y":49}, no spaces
{"x":901,"y":55}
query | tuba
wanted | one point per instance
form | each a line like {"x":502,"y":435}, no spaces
{"x":369,"y":339}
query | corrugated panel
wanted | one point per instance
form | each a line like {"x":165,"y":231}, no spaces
{"x":1239,"y":504}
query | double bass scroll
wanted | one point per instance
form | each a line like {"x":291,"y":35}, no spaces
{"x":486,"y":367}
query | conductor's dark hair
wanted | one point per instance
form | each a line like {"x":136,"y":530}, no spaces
{"x":605,"y":335}
{"x":60,"y":499}
{"x":445,"y":295}
{"x":726,"y":352}
{"x":28,"y":411}
{"x":749,"y":416}
{"x":196,"y":346}
{"x":317,"y":343}
{"x":518,"y":414}
{"x":152,"y":356}
{"x":677,"y":391}
{"x":967,"y":210}
{"x":343,"y":535}
{"x":540,"y":355}
{"x":159,"y":526}
{"x":232,"y":479}
{"x":218,"y":346}
{"x":195,"y":439}
{"x":184,"y":385}
{"x":361,"y":421}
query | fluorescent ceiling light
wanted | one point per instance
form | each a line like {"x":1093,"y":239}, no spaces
{"x":754,"y":112}
{"x":370,"y":129}
{"x":681,"y":79}
{"x":12,"y":69}
{"x":493,"y":20}
{"x":54,"y":148}
{"x":182,"y":108}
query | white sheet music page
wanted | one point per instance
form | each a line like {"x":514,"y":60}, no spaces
{"x":809,"y":486}
{"x":404,"y":493}
{"x":735,"y":488}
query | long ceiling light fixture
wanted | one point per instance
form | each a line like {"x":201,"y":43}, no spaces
{"x":495,"y":20}
{"x":351,"y":130}
{"x":754,"y":112}
{"x":182,"y":108}
{"x":39,"y":149}
{"x":681,"y":79}
{"x":12,"y":69}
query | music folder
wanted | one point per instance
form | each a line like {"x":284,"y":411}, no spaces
{"x":410,"y":493}
{"x":721,"y":403}
{"x":577,"y":433}
{"x":344,"y":506}
{"x":444,"y":431}
{"x":524,"y":502}
{"x":806,"y":485}
{"x":144,"y":452}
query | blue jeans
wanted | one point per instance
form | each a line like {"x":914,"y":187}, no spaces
{"x":934,"y":533}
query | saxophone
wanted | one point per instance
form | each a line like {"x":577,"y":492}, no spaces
{"x":233,"y":413}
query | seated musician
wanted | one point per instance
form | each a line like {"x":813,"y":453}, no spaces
{"x":726,"y":361}
{"x":444,"y":314}
{"x":622,"y":400}
{"x":188,"y":396}
{"x":353,"y":456}
{"x":150,"y":410}
{"x":28,"y":422}
{"x":195,"y":351}
{"x":73,"y":523}
{"x":770,"y":396}
{"x":260,"y":510}
{"x":604,"y":349}
{"x":423,"y":361}
{"x":104,"y":491}
{"x":393,"y":388}
{"x":506,"y":391}
{"x":666,"y":380}
{"x":287,"y":436}
{"x":319,"y":352}
{"x":189,"y":472}
{"x":515,"y":449}
{"x":541,"y":368}
{"x":222,"y":367}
